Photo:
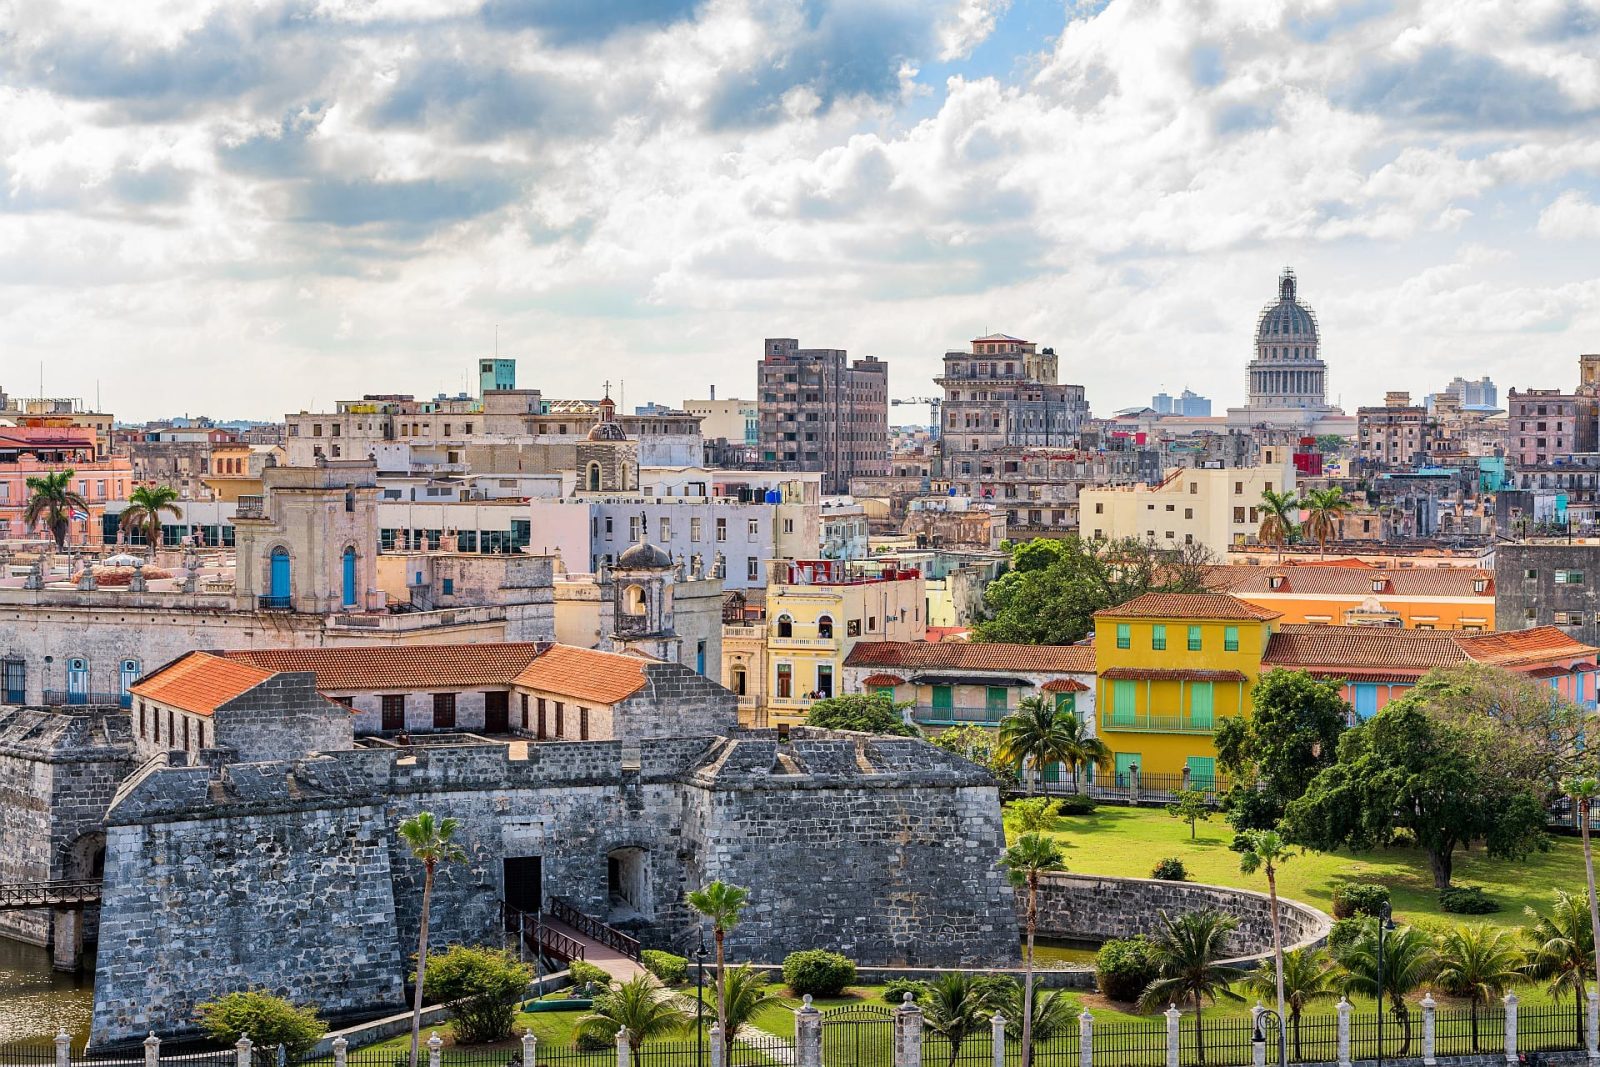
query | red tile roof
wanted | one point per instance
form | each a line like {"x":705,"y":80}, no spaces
{"x":883,"y":679}
{"x":399,"y":667}
{"x":586,"y":674}
{"x":1345,"y":581}
{"x":1188,"y":606}
{"x":1064,"y":685}
{"x":1510,"y":648}
{"x":1148,"y":674}
{"x":1346,"y":647}
{"x":199,"y":682}
{"x":972,"y":656}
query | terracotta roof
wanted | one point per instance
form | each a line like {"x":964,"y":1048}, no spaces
{"x":199,"y":682}
{"x":1143,"y":674}
{"x":1344,"y":581}
{"x":1188,"y":606}
{"x":883,"y":679}
{"x":1344,"y":647}
{"x":972,"y":656}
{"x":948,"y":633}
{"x":1509,"y":648}
{"x":1064,"y":685}
{"x":371,"y":667}
{"x":585,"y":674}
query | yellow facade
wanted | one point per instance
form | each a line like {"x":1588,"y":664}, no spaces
{"x":1215,"y":508}
{"x":1168,"y":668}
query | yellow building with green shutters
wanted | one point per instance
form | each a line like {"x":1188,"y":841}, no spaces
{"x":1168,"y":667}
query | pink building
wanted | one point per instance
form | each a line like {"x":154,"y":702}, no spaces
{"x":29,"y":451}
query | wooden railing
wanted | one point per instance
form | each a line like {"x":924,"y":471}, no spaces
{"x":534,"y":934}
{"x":49,"y":894}
{"x":609,"y":936}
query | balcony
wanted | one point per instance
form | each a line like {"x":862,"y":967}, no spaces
{"x":251,"y":507}
{"x":269,"y":602}
{"x":56,"y":698}
{"x":960,"y":715}
{"x":1141,"y":722}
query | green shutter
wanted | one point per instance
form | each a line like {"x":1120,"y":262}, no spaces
{"x":1200,"y":698}
{"x":942,"y":698}
{"x":1125,"y":760}
{"x":1124,"y":703}
{"x":883,"y":691}
{"x":1230,"y":639}
{"x":1067,"y":702}
{"x":994,"y":699}
{"x":1158,"y":637}
{"x":1124,"y":635}
{"x":1194,"y":639}
{"x":1202,"y":772}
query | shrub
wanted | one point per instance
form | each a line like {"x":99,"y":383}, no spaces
{"x":481,"y":986}
{"x":1075,"y":804}
{"x":820,"y":973}
{"x":1343,"y":934}
{"x":1467,"y":900}
{"x":895,"y":990}
{"x":1122,"y":968}
{"x":269,"y":1020}
{"x":1359,"y":898}
{"x":1170,"y":869}
{"x":1033,"y":815}
{"x":587,"y":975}
{"x":1240,"y":843}
{"x":665,"y":966}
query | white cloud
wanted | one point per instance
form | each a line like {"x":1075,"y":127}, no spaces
{"x":970,"y":25}
{"x":1571,"y":215}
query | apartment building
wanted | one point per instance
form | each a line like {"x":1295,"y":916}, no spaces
{"x":1393,"y":435}
{"x":818,"y":411}
{"x":1212,"y":507}
{"x":32,"y":451}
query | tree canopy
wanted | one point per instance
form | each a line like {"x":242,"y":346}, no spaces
{"x":872,"y":713}
{"x":1292,"y":734}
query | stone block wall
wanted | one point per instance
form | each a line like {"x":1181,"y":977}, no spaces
{"x":283,"y":718}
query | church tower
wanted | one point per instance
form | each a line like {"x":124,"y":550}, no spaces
{"x":607,"y":461}
{"x":641,"y":599}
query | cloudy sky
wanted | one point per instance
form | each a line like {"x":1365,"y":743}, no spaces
{"x":247,"y":208}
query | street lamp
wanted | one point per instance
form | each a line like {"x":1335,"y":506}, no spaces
{"x":699,"y":1000}
{"x":1258,"y":1040}
{"x":1385,"y":923}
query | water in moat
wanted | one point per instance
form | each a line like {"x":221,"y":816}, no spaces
{"x":37,"y":1002}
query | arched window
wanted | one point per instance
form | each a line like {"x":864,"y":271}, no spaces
{"x":594,"y":477}
{"x":785,"y":626}
{"x":127,"y":674}
{"x":77,"y":680}
{"x":633,"y":600}
{"x":825,"y":627}
{"x":740,"y":681}
{"x":349,"y":600}
{"x":278,"y":578}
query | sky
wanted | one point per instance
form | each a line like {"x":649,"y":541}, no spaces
{"x":249,"y":207}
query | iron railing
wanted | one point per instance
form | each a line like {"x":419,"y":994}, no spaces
{"x":269,"y":602}
{"x":588,"y":926}
{"x":17,"y":895}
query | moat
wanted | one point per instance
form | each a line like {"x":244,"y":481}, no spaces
{"x":37,"y":1002}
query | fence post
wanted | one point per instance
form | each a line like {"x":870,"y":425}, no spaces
{"x":1174,"y":1018}
{"x":63,"y":1048}
{"x":530,"y":1046}
{"x":807,"y":1035}
{"x":908,"y":1034}
{"x":715,"y":1037}
{"x":1133,"y":784}
{"x":1344,"y":1032}
{"x":622,"y":1046}
{"x":435,"y":1043}
{"x":241,"y":1051}
{"x":1511,"y":1028}
{"x":152,"y":1050}
{"x":341,"y":1052}
{"x":1086,"y":1039}
{"x":997,"y":1039}
{"x":1258,"y":1049}
{"x":1594,"y":1025}
{"x":1428,"y":1059}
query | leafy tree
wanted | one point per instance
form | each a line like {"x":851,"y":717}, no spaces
{"x":1479,"y":963}
{"x":639,"y":1005}
{"x":1034,"y":815}
{"x":432,"y":842}
{"x":1267,"y":853}
{"x":1583,"y":792}
{"x":1307,"y":978}
{"x":482,"y":987}
{"x":1188,"y":952}
{"x":1446,"y":780}
{"x":1191,"y":807}
{"x":53,"y":500}
{"x":1024,"y":862}
{"x":1291,"y":734}
{"x":872,"y":713}
{"x":1323,"y":509}
{"x":1560,"y":946}
{"x":722,"y":904}
{"x":955,"y":1006}
{"x":267,"y":1019}
{"x":747,"y":994}
{"x":1523,"y":727}
{"x":1331,"y":444}
{"x":1408,"y":961}
{"x":976,"y":744}
{"x":1278,"y":513}
{"x":1036,"y":735}
{"x":146,"y":504}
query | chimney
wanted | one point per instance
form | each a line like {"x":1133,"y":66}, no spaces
{"x":713,"y":392}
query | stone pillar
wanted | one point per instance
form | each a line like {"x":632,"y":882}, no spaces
{"x":1344,"y":1032}
{"x":1184,"y":784}
{"x":716,"y":1045}
{"x":1594,"y":1025}
{"x":63,"y":1049}
{"x":530,"y":1048}
{"x":807,"y":1035}
{"x":1085,"y":1039}
{"x":1258,"y":1049}
{"x":908,"y":1034}
{"x":1511,"y":1028}
{"x":341,"y":1052}
{"x":997,"y":1039}
{"x":434,"y":1045}
{"x":1133,"y":783}
{"x":1174,"y":1018}
{"x":1428,"y":1006}
{"x":66,"y":939}
{"x":622,"y":1046}
{"x":241,"y":1051}
{"x":152,"y":1050}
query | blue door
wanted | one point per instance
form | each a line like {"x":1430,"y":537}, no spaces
{"x":1366,"y":700}
{"x":127,"y":675}
{"x":77,"y":681}
{"x":349,"y":577}
{"x":278,"y":590}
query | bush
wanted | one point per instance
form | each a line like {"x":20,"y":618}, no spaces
{"x":1344,"y":933}
{"x":895,"y":990}
{"x":481,"y":986}
{"x":820,"y":973}
{"x":1075,"y":804}
{"x":1170,"y":869}
{"x":1467,"y":900}
{"x":1240,"y":843}
{"x":1359,"y":898}
{"x":1122,"y":968}
{"x":587,"y":975}
{"x":269,"y":1020}
{"x":665,"y":966}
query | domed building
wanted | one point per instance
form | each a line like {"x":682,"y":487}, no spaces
{"x":608,"y":462}
{"x":1287,"y":382}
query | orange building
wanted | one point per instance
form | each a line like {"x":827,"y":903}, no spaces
{"x":30,"y":451}
{"x":1353,"y":593}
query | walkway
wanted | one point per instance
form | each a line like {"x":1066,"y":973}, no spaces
{"x":48,"y":894}
{"x":608,"y":959}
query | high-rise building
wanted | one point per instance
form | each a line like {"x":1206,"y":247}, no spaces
{"x":1287,"y":382}
{"x":1393,"y":435}
{"x":1479,"y":394}
{"x":821,"y":412}
{"x":496,"y":374}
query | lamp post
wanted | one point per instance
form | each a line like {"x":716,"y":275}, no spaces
{"x":1258,"y":1040}
{"x":1385,"y":924}
{"x":699,"y":1000}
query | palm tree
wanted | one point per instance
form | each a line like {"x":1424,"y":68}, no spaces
{"x":1083,"y":749}
{"x":1408,"y":961}
{"x":1187,"y":953}
{"x":747,"y":994}
{"x":1054,"y":1014}
{"x":1478,"y":962}
{"x":1024,"y":862}
{"x":956,"y":1006}
{"x":1583,"y":792}
{"x":721,"y":902}
{"x":1278,"y":510}
{"x":1323,"y":509}
{"x":54,"y":501}
{"x":431,"y":841}
{"x":1307,"y":978}
{"x":1266,"y":852}
{"x":1031,"y":737}
{"x":145,"y":506}
{"x":639,"y":1006}
{"x":1561,"y":949}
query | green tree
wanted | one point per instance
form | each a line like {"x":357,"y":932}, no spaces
{"x":642,"y":1007}
{"x":52,"y":501}
{"x":1583,"y":792}
{"x":1323,"y":510}
{"x":1188,"y":952}
{"x":146,"y":505}
{"x":1024,"y":862}
{"x":955,"y":1006}
{"x":1560,"y":946}
{"x":1034,"y":815}
{"x":432,"y":842}
{"x":872,"y":713}
{"x":1278,"y":513}
{"x":268,"y":1020}
{"x":721,"y":904}
{"x":1307,"y":978}
{"x":481,"y":987}
{"x":1408,"y":961}
{"x":1054,"y":1014}
{"x":1479,"y":963}
{"x":1448,"y":781}
{"x":1267,"y":852}
{"x":1191,"y":807}
{"x":747,"y":994}
{"x":1291,"y":734}
{"x":976,"y":744}
{"x":1035,"y":735}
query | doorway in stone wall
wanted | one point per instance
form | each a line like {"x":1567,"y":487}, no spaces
{"x":628,"y":884}
{"x":496,"y":713}
{"x":524,"y":882}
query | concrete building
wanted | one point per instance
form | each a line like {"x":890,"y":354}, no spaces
{"x":1188,"y":404}
{"x":733,"y":420}
{"x":820,"y":412}
{"x":843,"y":526}
{"x":496,"y":375}
{"x":1287,"y":381}
{"x":1550,"y":583}
{"x":1352,"y":593}
{"x":1212,"y":507}
{"x":236,"y":469}
{"x":953,"y":522}
{"x":32,"y":451}
{"x":1481,"y":395}
{"x":1394,"y":435}
{"x":1543,"y":426}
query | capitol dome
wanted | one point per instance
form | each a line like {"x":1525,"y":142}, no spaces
{"x":1288,"y":319}
{"x":644,"y":557}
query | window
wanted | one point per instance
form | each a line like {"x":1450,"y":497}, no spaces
{"x":785,"y":625}
{"x":665,"y":529}
{"x":722,"y":529}
{"x":1194,"y":639}
{"x":852,"y":628}
{"x":1230,"y":639}
{"x":752,"y":568}
{"x":444,"y":711}
{"x":753,"y":529}
{"x":1569,"y":577}
{"x":1238,"y":515}
{"x":785,"y":681}
{"x":561,"y":718}
{"x":825,"y":627}
{"x":543,"y":730}
{"x":1124,"y":635}
{"x":16,"y":681}
{"x":393,"y":711}
{"x":1158,"y":637}
{"x":583,"y":723}
{"x":824,"y":680}
{"x":186,"y":733}
{"x":694,"y":530}
{"x":633,"y":529}
{"x":1124,"y":701}
{"x":447,"y":586}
